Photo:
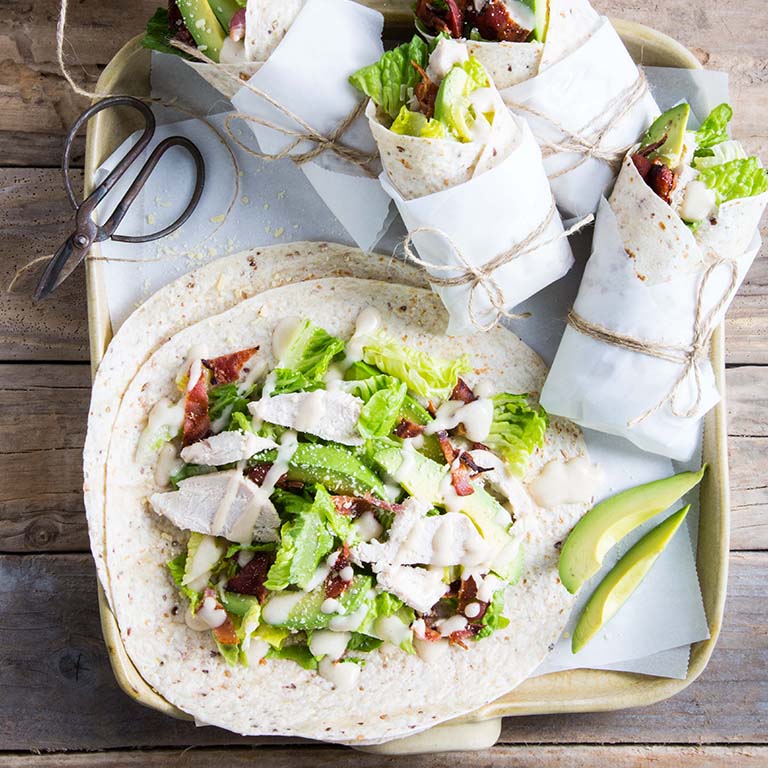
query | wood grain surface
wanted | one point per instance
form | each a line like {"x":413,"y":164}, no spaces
{"x":57,"y":691}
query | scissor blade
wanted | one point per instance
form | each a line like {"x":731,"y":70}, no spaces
{"x":59,"y":268}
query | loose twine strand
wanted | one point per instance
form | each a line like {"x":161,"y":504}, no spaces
{"x":321,"y":143}
{"x":588,"y":140}
{"x":482,"y":276}
{"x":690,"y":357}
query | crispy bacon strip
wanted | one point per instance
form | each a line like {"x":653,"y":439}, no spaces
{"x":250,"y":579}
{"x":225,"y":633}
{"x":425,"y":93}
{"x":662,"y":180}
{"x":463,"y":470}
{"x":448,"y":17}
{"x":197,"y":424}
{"x":335,"y":586}
{"x":449,"y":452}
{"x":463,"y":392}
{"x":258,"y":474}
{"x":406,"y":429}
{"x":226,"y":368}
{"x":494,"y":23}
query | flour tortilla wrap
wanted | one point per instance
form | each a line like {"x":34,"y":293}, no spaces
{"x":205,"y":292}
{"x":643,"y":280}
{"x":398,"y":694}
{"x":419,"y":166}
{"x":266,"y":22}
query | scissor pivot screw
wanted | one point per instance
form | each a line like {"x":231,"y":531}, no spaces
{"x":81,"y":241}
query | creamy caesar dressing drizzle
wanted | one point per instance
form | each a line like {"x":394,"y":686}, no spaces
{"x":472,"y":610}
{"x":192,"y":362}
{"x":256,"y":369}
{"x":222,"y":511}
{"x":351,"y":622}
{"x":447,"y":627}
{"x":368,"y":321}
{"x":164,"y":422}
{"x":211,"y":613}
{"x":277,"y":609}
{"x":320,"y":576}
{"x":328,"y":643}
{"x":168,"y":464}
{"x":430,"y":651}
{"x":698,"y":203}
{"x":447,"y":53}
{"x":194,"y":622}
{"x":288,"y":444}
{"x":476,"y":417}
{"x":244,"y":556}
{"x":343,"y":674}
{"x":408,"y":454}
{"x":391,"y":629}
{"x":283,"y":335}
{"x":242,"y":529}
{"x":255,"y":650}
{"x":331,"y":605}
{"x":311,"y":411}
{"x":566,"y":482}
{"x":209,"y":551}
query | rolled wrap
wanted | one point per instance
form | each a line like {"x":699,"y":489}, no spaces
{"x":643,"y":280}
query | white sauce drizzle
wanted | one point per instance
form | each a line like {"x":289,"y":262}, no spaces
{"x":288,"y":445}
{"x":476,"y":417}
{"x":211,"y":613}
{"x":368,"y":527}
{"x":257,"y":649}
{"x":331,"y":605}
{"x":328,"y":643}
{"x":419,"y":628}
{"x":227,"y":499}
{"x":566,"y":482}
{"x":447,"y":627}
{"x":168,"y":463}
{"x":346,"y":574}
{"x":391,"y":629}
{"x":244,"y":556}
{"x":320,"y":576}
{"x":368,"y":321}
{"x":430,"y":650}
{"x":343,"y":675}
{"x":279,"y":606}
{"x":351,"y":622}
{"x":194,"y":622}
{"x":256,"y":369}
{"x":283,"y":335}
{"x":472,"y":610}
{"x":209,"y":551}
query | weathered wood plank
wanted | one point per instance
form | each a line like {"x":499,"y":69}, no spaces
{"x":35,"y":218}
{"x":502,"y":756}
{"x":43,"y":411}
{"x":59,"y":692}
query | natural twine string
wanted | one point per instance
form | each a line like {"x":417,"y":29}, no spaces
{"x":93,"y":95}
{"x":305,"y":133}
{"x":588,"y":140}
{"x":482,"y":276}
{"x":689,"y":357}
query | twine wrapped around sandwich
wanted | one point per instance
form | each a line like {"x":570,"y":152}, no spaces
{"x":689,"y":357}
{"x":588,"y":140}
{"x":305,"y":132}
{"x":477,"y":277}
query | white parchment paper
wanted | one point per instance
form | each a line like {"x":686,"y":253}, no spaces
{"x":276,"y":203}
{"x":308,"y":73}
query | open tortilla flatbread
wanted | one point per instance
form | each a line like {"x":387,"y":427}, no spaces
{"x":397,"y":694}
{"x":207,"y":291}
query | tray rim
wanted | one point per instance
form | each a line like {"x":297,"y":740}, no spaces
{"x":620,"y":690}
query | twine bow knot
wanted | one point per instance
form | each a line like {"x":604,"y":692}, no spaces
{"x":482,"y":276}
{"x":689,"y":357}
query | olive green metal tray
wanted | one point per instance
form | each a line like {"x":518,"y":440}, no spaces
{"x":581,"y":690}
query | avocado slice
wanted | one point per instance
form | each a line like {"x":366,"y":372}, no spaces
{"x":669,"y":127}
{"x":611,"y":520}
{"x":623,"y":579}
{"x":338,"y":469}
{"x":540,"y":10}
{"x":224,"y":10}
{"x":307,"y":614}
{"x":204,"y":27}
{"x":423,"y":482}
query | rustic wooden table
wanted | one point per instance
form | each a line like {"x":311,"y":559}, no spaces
{"x":57,"y":692}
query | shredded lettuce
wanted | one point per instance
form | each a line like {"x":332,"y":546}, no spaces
{"x":241,"y":421}
{"x":226,"y":398}
{"x":425,"y":375}
{"x":189,"y":470}
{"x":290,"y":504}
{"x":409,"y":123}
{"x":304,"y":541}
{"x":176,"y":568}
{"x":274,"y":636}
{"x":720,"y":153}
{"x":736,"y":179}
{"x":341,"y":525}
{"x":494,"y":618}
{"x":307,"y":358}
{"x":298,"y":653}
{"x":714,"y":129}
{"x":363,"y":643}
{"x":230,"y":653}
{"x":158,"y":34}
{"x":453,"y":107}
{"x":517,"y":429}
{"x":390,"y":81}
{"x":382,"y":410}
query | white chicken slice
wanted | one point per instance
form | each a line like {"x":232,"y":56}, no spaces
{"x":418,"y":587}
{"x":332,"y":415}
{"x":226,"y":448}
{"x":220,"y":504}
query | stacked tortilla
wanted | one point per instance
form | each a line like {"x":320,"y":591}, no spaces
{"x":236,"y":303}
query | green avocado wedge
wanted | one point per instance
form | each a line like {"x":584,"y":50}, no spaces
{"x":669,"y":128}
{"x":623,"y":579}
{"x":204,"y":27}
{"x":611,"y":520}
{"x":540,"y":10}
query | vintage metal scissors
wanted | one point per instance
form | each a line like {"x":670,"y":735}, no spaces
{"x":86,"y":231}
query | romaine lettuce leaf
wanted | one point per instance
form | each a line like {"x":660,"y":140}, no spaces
{"x":189,"y":470}
{"x":736,"y":179}
{"x":517,"y":429}
{"x":452,"y":105}
{"x":298,"y":653}
{"x":409,"y":123}
{"x":364,"y":643}
{"x":304,"y":541}
{"x":382,"y":410}
{"x":230,"y":653}
{"x":226,"y":398}
{"x":340,"y":524}
{"x":494,"y":618}
{"x":308,"y":356}
{"x":288,"y":381}
{"x":720,"y":153}
{"x":176,"y":568}
{"x":714,"y":129}
{"x":158,"y":35}
{"x":274,"y":636}
{"x":390,"y":81}
{"x":425,"y":375}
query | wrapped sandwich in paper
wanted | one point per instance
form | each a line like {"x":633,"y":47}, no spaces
{"x":563,"y":67}
{"x":467,"y":178}
{"x":671,"y":247}
{"x":237,"y":37}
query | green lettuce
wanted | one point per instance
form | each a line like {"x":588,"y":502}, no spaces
{"x":735,"y":179}
{"x":452,"y":105}
{"x":323,"y":506}
{"x":158,"y":35}
{"x":714,"y":129}
{"x":517,"y":429}
{"x":409,"y":123}
{"x":363,"y":643}
{"x":176,"y":568}
{"x":306,"y":361}
{"x":720,"y":153}
{"x":304,"y":541}
{"x":382,"y":410}
{"x":226,"y":399}
{"x":425,"y":375}
{"x":297,"y":653}
{"x":230,"y":653}
{"x":390,"y":81}
{"x":189,"y":470}
{"x":494,"y":618}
